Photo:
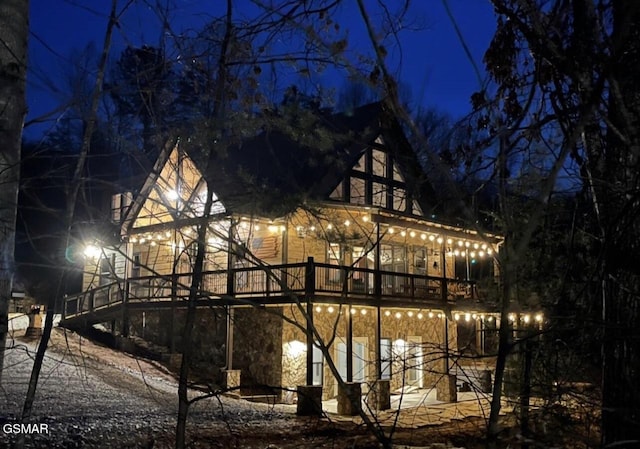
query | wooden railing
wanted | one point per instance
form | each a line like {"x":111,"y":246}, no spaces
{"x":300,"y":279}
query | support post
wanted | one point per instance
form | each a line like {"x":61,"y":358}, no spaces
{"x":309,"y":287}
{"x":229,"y":355}
{"x":349,"y":345}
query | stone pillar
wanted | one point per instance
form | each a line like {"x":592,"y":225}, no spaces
{"x":379,"y":397}
{"x":309,"y":400}
{"x":446,"y":389}
{"x":35,"y":323}
{"x":231,"y":379}
{"x":349,"y":399}
{"x":485,"y":381}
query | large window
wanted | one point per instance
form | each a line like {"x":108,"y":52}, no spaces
{"x":376,"y":180}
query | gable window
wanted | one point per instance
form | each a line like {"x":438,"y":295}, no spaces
{"x":376,"y":180}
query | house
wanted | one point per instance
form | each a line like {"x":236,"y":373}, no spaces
{"x":322,"y":244}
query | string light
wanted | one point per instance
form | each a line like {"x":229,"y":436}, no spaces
{"x":420,"y":315}
{"x":387,"y":313}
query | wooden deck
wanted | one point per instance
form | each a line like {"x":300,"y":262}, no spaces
{"x":273,"y":284}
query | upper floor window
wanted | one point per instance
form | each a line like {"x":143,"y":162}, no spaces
{"x":376,"y":180}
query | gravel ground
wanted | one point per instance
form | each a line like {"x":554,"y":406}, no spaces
{"x":91,"y":396}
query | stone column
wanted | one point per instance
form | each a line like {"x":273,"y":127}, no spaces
{"x":380,"y":395}
{"x":349,"y":399}
{"x":309,"y":400}
{"x":446,"y":389}
{"x":232,"y":380}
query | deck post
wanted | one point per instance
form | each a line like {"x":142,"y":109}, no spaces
{"x":124,"y":331}
{"x":309,"y":289}
{"x":349,"y":344}
{"x":230,"y":313}
{"x":377,"y":291}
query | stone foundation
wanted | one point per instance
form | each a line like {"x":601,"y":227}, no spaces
{"x":350,"y":399}
{"x":446,"y":389}
{"x":379,"y":397}
{"x":231,"y":379}
{"x":309,"y":400}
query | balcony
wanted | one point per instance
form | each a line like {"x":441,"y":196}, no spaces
{"x":277,"y":284}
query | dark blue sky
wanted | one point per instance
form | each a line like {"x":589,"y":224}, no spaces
{"x":433,"y":62}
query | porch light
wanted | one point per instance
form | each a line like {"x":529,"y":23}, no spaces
{"x":295,"y":348}
{"x":91,"y":252}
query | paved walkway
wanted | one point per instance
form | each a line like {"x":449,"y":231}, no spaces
{"x":421,"y":408}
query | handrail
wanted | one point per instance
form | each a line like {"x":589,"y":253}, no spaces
{"x":273,"y":280}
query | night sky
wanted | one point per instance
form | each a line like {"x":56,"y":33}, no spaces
{"x":432,"y":61}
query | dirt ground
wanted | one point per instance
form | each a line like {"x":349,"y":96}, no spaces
{"x":91,"y":396}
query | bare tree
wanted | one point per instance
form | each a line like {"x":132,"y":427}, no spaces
{"x":14,"y":29}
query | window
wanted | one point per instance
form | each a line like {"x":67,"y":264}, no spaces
{"x":385,"y":358}
{"x":106,"y":268}
{"x":317,"y":366}
{"x":135,"y":267}
{"x":358,"y":192}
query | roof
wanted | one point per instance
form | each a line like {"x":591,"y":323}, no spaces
{"x":302,"y":157}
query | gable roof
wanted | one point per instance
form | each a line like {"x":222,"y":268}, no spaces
{"x":295,"y":160}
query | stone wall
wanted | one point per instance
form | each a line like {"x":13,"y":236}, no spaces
{"x":208,"y":338}
{"x":398,"y":325}
{"x":257,"y":347}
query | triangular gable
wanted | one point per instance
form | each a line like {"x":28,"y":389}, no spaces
{"x":174,"y":189}
{"x":375,"y":179}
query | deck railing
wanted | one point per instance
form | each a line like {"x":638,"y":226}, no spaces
{"x":299,"y":279}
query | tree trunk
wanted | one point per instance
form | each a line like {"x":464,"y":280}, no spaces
{"x":14,"y":29}
{"x":621,"y":200}
{"x":71,"y":199}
